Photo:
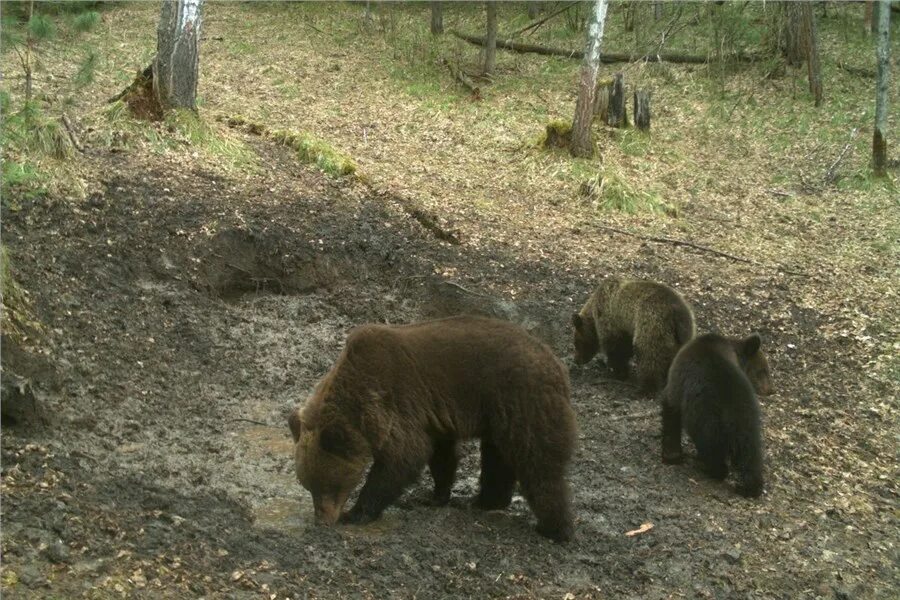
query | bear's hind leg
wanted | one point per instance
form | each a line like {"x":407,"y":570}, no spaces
{"x":712,"y":456}
{"x":385,"y":483}
{"x":550,"y":500}
{"x":443,"y":470}
{"x":498,"y":478}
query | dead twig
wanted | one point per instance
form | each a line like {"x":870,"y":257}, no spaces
{"x":635,"y":416}
{"x":707,"y":249}
{"x":831,"y":173}
{"x":251,"y":421}
{"x":71,"y":131}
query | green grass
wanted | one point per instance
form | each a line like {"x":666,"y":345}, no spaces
{"x":20,"y":179}
{"x":187,"y":125}
{"x":311,"y":149}
{"x":610,"y":191}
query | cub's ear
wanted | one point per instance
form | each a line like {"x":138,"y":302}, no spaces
{"x":336,"y":440}
{"x":577,"y":321}
{"x":750,"y":345}
{"x":295,"y":424}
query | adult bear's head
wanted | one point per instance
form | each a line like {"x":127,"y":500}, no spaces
{"x":330,"y":458}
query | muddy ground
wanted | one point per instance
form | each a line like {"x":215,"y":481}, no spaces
{"x":187,"y":313}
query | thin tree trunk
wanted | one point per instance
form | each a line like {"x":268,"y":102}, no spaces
{"x":437,"y":19}
{"x":792,"y":43}
{"x":490,"y":40}
{"x":533,"y":9}
{"x":582,"y":144}
{"x":879,"y":137}
{"x":26,"y":64}
{"x":177,"y":62}
{"x":867,"y":20}
{"x":811,"y":50}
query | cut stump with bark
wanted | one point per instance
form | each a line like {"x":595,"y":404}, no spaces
{"x":642,"y":110}
{"x":616,"y":114}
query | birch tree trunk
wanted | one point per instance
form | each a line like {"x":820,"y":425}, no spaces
{"x":490,"y":40}
{"x":176,"y":66}
{"x":437,"y":19}
{"x":879,"y":141}
{"x":582,"y":144}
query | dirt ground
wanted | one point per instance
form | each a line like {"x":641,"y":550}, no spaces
{"x":187,"y":314}
{"x":190,"y":302}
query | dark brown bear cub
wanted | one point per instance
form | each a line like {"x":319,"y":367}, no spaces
{"x":712,"y":390}
{"x":401,"y":396}
{"x":625,"y":317}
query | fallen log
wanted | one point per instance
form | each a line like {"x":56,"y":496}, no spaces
{"x":464,"y":79}
{"x":606,"y":57}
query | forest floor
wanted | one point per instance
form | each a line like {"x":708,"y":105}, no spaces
{"x":193,"y":292}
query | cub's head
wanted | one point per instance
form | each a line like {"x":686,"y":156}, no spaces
{"x":753,"y":362}
{"x":330,"y":459}
{"x":586,"y":341}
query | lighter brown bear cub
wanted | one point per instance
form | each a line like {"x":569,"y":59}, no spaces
{"x":632,"y":317}
{"x":399,"y":397}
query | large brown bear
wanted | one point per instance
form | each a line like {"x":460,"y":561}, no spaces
{"x":401,"y":396}
{"x":712,"y":390}
{"x":625,"y":317}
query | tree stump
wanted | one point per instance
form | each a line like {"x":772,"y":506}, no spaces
{"x":616,"y":115}
{"x":601,"y":99}
{"x":642,"y":110}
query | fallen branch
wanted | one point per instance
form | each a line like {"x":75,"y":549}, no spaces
{"x":629,"y":417}
{"x":607,"y":57}
{"x":677,"y":242}
{"x":858,"y":71}
{"x":67,"y":124}
{"x":539,"y":22}
{"x":831,"y":173}
{"x":464,"y":79}
{"x":250,"y":421}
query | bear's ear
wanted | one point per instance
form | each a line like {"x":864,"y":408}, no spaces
{"x":295,"y":424}
{"x":577,"y":321}
{"x":336,"y":440}
{"x":750,"y":345}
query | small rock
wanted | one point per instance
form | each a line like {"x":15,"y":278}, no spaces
{"x":57,"y":552}
{"x":732,"y":555}
{"x":31,"y":576}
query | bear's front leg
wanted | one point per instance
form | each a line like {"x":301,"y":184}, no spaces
{"x":671,"y":433}
{"x":385,"y":483}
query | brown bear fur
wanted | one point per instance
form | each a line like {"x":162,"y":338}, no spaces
{"x":712,"y":391}
{"x":625,"y":317}
{"x":401,"y":396}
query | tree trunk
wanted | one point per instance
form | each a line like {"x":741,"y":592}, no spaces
{"x":879,"y":139}
{"x":642,"y":110}
{"x":867,"y":20}
{"x":582,"y":144}
{"x":811,"y":50}
{"x":534,"y":9}
{"x":657,"y":10}
{"x":490,"y":40}
{"x":791,"y":42}
{"x":27,"y":62}
{"x":176,"y":66}
{"x":616,"y":115}
{"x":437,"y":19}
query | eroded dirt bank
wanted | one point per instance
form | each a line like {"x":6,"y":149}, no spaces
{"x":187,"y":313}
